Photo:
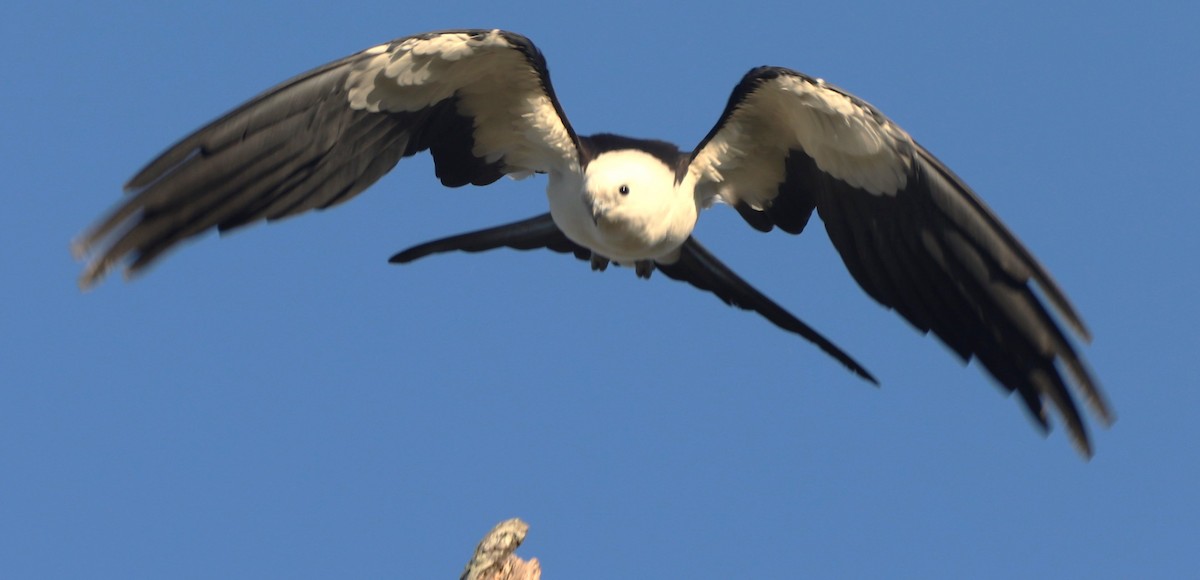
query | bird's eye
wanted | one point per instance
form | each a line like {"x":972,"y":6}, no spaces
{"x":623,"y":190}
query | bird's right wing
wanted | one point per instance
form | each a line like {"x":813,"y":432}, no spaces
{"x":480,"y":101}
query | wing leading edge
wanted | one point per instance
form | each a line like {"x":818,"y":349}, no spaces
{"x":480,"y":101}
{"x":911,"y":233}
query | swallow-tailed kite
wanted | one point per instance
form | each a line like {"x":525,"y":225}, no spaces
{"x":912,"y":234}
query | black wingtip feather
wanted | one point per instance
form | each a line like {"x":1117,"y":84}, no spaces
{"x":938,"y":256}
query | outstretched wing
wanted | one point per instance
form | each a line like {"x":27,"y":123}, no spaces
{"x":480,"y":101}
{"x":912,"y":234}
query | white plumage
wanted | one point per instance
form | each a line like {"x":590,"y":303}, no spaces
{"x":913,"y":235}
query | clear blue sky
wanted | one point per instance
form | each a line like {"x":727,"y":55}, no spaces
{"x":284,"y":403}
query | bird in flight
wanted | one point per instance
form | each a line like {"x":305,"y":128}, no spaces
{"x":910,"y":232}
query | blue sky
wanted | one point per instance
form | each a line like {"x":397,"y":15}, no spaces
{"x":284,"y":403}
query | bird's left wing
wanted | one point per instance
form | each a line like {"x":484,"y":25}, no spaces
{"x":912,"y":234}
{"x":479,"y":100}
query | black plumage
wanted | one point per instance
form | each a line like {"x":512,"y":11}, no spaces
{"x":786,"y":145}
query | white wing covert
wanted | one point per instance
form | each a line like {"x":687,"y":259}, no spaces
{"x":479,"y":100}
{"x":912,"y":234}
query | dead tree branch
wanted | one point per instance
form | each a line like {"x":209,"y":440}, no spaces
{"x":494,"y":558}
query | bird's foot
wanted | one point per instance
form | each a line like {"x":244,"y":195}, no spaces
{"x":644,"y":268}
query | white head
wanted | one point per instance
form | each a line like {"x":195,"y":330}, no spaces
{"x":628,"y":191}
